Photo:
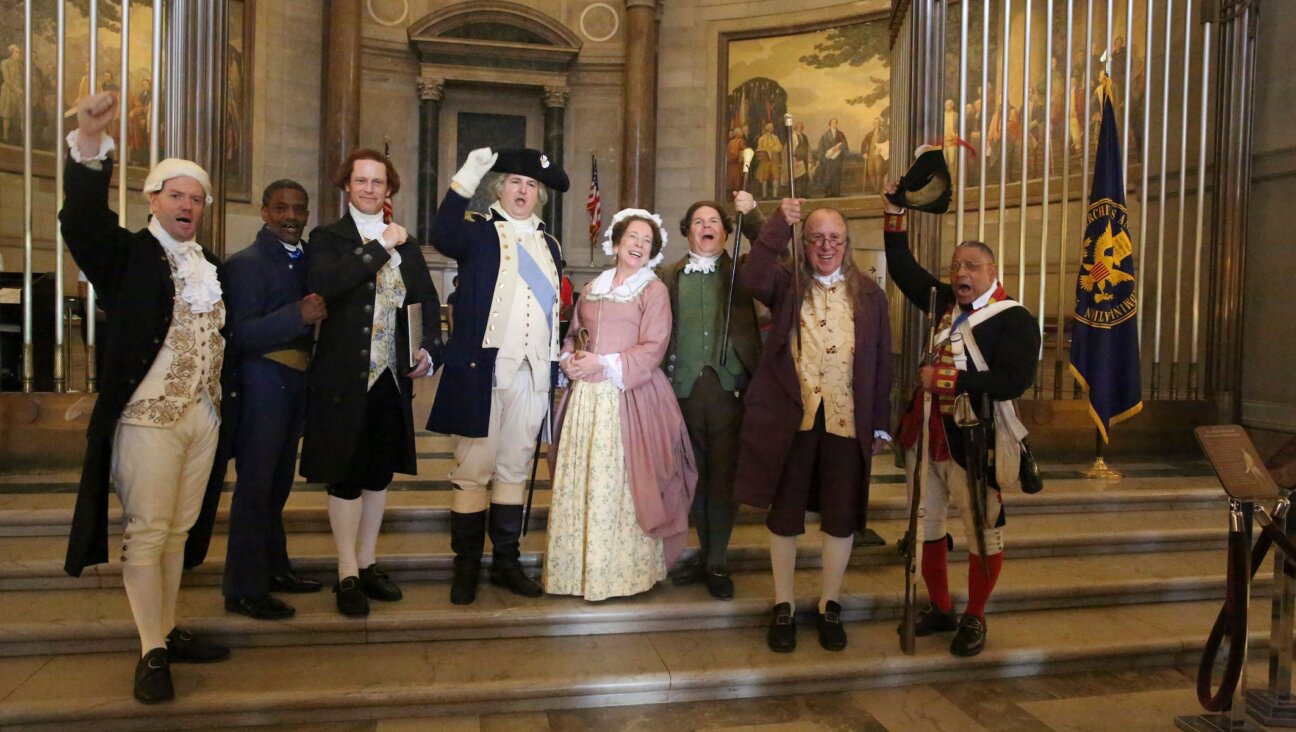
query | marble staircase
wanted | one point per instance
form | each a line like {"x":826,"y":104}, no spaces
{"x":1100,"y":575}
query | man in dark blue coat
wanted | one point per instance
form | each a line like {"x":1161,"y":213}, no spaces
{"x":500,"y":360}
{"x":271,"y":327}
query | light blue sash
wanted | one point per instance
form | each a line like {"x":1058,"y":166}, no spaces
{"x":540,"y":285}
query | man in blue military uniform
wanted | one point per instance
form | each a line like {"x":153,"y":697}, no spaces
{"x":271,"y":328}
{"x":499,"y":361}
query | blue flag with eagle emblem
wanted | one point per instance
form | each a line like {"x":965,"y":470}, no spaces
{"x":1104,"y":343}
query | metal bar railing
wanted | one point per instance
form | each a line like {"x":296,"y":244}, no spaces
{"x":1005,"y":143}
{"x":1025,"y":155}
{"x":61,"y":362}
{"x":1194,"y":384}
{"x":984,"y":98}
{"x":1161,"y":204}
{"x":28,"y":352}
{"x":960,"y":113}
{"x":92,"y":376}
{"x":1183,"y":198}
{"x":1059,"y":367}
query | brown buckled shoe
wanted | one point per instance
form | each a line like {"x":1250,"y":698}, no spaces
{"x":184,"y":647}
{"x":970,"y":638}
{"x":351,"y":600}
{"x":378,"y":586}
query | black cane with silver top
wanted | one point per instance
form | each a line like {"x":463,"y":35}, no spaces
{"x":797,"y":257}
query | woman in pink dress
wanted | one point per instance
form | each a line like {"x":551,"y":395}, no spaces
{"x":624,"y":473}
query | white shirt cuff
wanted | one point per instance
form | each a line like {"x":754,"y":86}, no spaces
{"x":612,"y":370}
{"x":883,"y":434}
{"x":106,"y":145}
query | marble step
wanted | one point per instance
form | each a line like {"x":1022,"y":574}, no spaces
{"x":35,"y":562}
{"x":97,"y":620}
{"x":415,"y":508}
{"x":356,"y":681}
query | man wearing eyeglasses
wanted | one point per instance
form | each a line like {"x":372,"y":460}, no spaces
{"x":1008,"y":341}
{"x":817,"y":408}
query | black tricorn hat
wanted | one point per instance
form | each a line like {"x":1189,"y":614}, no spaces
{"x":532,"y":164}
{"x":926,"y":185}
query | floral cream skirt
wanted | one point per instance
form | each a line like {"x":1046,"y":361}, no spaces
{"x":596,"y":548}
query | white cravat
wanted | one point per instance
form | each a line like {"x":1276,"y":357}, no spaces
{"x":371,"y":228}
{"x":700,"y":263}
{"x":201,"y":289}
{"x":831,"y":279}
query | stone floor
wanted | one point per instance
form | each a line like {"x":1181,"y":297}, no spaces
{"x":1094,"y":701}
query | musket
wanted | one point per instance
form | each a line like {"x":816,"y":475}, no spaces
{"x":907,"y":630}
{"x":974,"y":452}
{"x":747,"y":155}
{"x":797,"y":256}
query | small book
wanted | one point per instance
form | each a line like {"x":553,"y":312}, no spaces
{"x":414,"y":322}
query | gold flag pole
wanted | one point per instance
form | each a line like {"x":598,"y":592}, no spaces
{"x":1100,"y":470}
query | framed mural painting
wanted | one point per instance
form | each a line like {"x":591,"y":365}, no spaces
{"x":138,"y":96}
{"x":835,"y":81}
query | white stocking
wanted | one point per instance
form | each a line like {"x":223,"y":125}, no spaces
{"x":172,"y":570}
{"x":344,"y":518}
{"x":371,"y":516}
{"x":836,"y":555}
{"x":144,"y":590}
{"x":783,"y":562}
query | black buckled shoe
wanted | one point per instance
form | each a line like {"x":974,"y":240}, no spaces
{"x":930,"y":621}
{"x":153,"y":677}
{"x":294,"y":585}
{"x":782,"y":630}
{"x":463,"y":585}
{"x":351,"y":600}
{"x":184,"y":647}
{"x":377,"y":585}
{"x":970,"y":638}
{"x":720,"y":584}
{"x":832,"y":636}
{"x":509,"y":575}
{"x":689,"y":571}
{"x":261,"y":607}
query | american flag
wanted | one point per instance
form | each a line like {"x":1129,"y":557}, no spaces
{"x":594,"y":203}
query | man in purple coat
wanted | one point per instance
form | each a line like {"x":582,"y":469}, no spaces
{"x":817,"y":408}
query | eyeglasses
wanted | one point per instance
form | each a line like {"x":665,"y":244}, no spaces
{"x":971,"y":267}
{"x":820,"y":240}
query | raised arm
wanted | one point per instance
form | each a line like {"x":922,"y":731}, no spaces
{"x":449,"y":228}
{"x":89,"y":227}
{"x":761,"y":274}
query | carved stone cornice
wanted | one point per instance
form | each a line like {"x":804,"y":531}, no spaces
{"x":556,"y":96}
{"x":431,"y":88}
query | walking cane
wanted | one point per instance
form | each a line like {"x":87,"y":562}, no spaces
{"x":747,"y":155}
{"x":796,"y":240}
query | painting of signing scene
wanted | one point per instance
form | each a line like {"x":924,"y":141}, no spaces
{"x":835,"y":82}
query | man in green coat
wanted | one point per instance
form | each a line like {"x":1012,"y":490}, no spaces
{"x":708,"y":390}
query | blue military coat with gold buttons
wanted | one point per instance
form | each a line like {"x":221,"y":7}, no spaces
{"x":462,"y":405}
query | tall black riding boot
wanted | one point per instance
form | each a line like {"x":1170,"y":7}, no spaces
{"x":505,"y":533}
{"x":467,"y":539}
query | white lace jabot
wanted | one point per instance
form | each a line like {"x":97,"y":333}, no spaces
{"x":201,"y":289}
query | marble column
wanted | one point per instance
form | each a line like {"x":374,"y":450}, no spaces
{"x":639,"y":134}
{"x":196,"y":38}
{"x":340,"y":110}
{"x":431,"y":90}
{"x":555,"y":115}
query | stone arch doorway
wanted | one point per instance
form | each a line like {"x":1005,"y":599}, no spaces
{"x":490,"y":66}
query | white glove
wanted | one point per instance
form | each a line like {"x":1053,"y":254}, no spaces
{"x":475,"y":168}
